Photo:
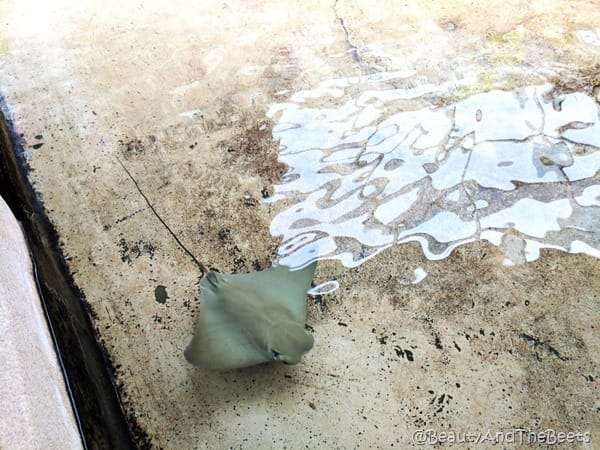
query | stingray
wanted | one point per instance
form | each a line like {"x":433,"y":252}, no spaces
{"x":247,"y":319}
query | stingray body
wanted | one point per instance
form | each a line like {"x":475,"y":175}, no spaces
{"x":249,"y":319}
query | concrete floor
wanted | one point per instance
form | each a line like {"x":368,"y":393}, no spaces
{"x":179,"y":92}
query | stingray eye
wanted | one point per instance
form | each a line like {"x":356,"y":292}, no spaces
{"x":279,"y":357}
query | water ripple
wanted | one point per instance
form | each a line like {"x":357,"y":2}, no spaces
{"x":374,"y":162}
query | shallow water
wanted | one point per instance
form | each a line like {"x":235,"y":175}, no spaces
{"x":384,"y":159}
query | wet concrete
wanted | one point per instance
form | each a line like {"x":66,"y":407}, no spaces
{"x":180,"y":95}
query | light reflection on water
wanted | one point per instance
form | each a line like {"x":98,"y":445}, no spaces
{"x":374,"y":162}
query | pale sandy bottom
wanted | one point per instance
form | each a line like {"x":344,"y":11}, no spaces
{"x":180,"y":94}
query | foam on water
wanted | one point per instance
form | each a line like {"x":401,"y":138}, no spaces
{"x":374,"y":162}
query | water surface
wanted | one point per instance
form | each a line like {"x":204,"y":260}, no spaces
{"x":385,"y":159}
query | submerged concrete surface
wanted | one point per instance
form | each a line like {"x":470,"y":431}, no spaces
{"x":179,"y":91}
{"x":34,"y":404}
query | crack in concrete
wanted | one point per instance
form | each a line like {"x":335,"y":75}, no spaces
{"x":362,"y":65}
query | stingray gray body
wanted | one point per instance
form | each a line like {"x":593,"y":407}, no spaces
{"x":249,"y":319}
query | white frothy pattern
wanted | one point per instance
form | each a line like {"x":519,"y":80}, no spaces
{"x":373,"y":165}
